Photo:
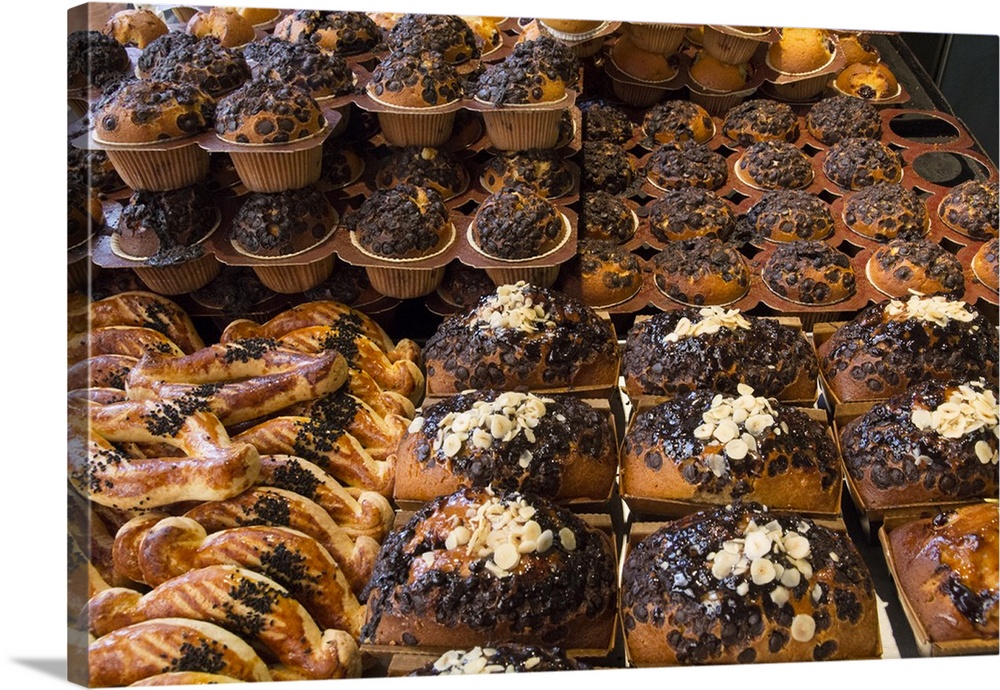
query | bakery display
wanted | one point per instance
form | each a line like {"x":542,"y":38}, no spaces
{"x":779,"y":588}
{"x":774,"y":164}
{"x":935,"y":442}
{"x":760,"y":119}
{"x":840,"y":117}
{"x":892,"y":345}
{"x":809,"y":272}
{"x":711,"y":448}
{"x":714,"y":348}
{"x":522,"y":337}
{"x":946,"y":572}
{"x":971,"y":209}
{"x":528,"y":571}
{"x":787,"y":215}
{"x":856,"y":162}
{"x":885,"y":211}
{"x":701,"y":271}
{"x":690,"y":212}
{"x":560,"y":448}
{"x":902,"y":267}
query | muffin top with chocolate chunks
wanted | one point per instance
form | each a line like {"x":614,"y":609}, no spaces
{"x":785,"y":215}
{"x":775,"y":164}
{"x":856,"y":162}
{"x":809,"y":272}
{"x":146,"y":111}
{"x":839,"y":117}
{"x":343,"y":33}
{"x":517,"y":223}
{"x":885,"y":211}
{"x":94,"y":59}
{"x":215,"y":69}
{"x":604,"y":121}
{"x":403,"y":222}
{"x":264,"y":111}
{"x":420,"y":80}
{"x":445,"y":34}
{"x":321,"y":73}
{"x":521,"y":78}
{"x":686,"y":164}
{"x":286,"y":222}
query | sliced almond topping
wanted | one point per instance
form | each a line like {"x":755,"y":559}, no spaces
{"x":803,"y":627}
{"x":790,"y":578}
{"x":761,"y":571}
{"x":984,"y":452}
{"x":416,"y":425}
{"x":736,"y":449}
{"x":544,"y":541}
{"x":531,"y":662}
{"x":796,"y":546}
{"x":779,"y":595}
{"x":506,"y":556}
{"x":567,"y":538}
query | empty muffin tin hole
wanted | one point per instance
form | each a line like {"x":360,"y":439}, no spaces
{"x":947,"y":168}
{"x":923,"y":128}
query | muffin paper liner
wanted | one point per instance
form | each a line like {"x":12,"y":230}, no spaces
{"x":409,"y":126}
{"x":664,"y":39}
{"x":289,"y":279}
{"x":729,"y":44}
{"x":518,"y":127}
{"x":159,"y":169}
{"x":179,"y":279}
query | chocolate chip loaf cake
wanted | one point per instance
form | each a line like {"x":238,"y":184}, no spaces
{"x":934,"y":442}
{"x":679,"y":351}
{"x":740,"y":585}
{"x":946,"y":568}
{"x":892,"y":345}
{"x":712,"y":448}
{"x":478,"y":567}
{"x":499,"y":658}
{"x":557,"y":447}
{"x":521,"y":337}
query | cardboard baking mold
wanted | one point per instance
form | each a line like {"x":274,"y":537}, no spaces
{"x":577,"y":505}
{"x":926,"y":646}
{"x":644,"y":506}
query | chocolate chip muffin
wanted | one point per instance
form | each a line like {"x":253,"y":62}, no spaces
{"x":872,"y":82}
{"x":521,"y":78}
{"x":499,"y":658}
{"x":701,"y":271}
{"x":147,"y":111}
{"x":414,"y":81}
{"x":822,"y":605}
{"x":553,"y":55}
{"x":343,"y":33}
{"x":903,"y":266}
{"x":424,"y":166}
{"x":477,"y":438}
{"x":404,"y":222}
{"x":602,"y":274}
{"x":609,"y":167}
{"x":605,"y":216}
{"x":842,"y":117}
{"x":162,"y":224}
{"x":676,"y":120}
{"x":934,"y":442}
{"x":224,"y":23}
{"x":463,"y":285}
{"x":283,"y":223}
{"x":984,"y":264}
{"x":689,"y":212}
{"x":713,"y":348}
{"x":159,"y":48}
{"x":446,"y":34}
{"x":787,"y":215}
{"x":321,"y":73}
{"x":206,"y":63}
{"x":135,"y":27}
{"x":760,"y":119}
{"x":93,"y":168}
{"x":85,"y":215}
{"x":809,"y":272}
{"x":856,"y":162}
{"x":264,"y":111}
{"x":341,"y":164}
{"x":774,"y":164}
{"x":706,"y":447}
{"x":971,"y":209}
{"x":543,"y":170}
{"x":886,"y":211}
{"x":895,"y":344}
{"x":554,"y":584}
{"x":686,"y":164}
{"x":522,"y":337}
{"x":236,"y":292}
{"x":517,"y":223}
{"x":94,"y":60}
{"x":603,"y":121}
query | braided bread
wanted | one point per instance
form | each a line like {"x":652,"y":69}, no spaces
{"x":100,"y":371}
{"x":211,"y":466}
{"x":149,"y":648}
{"x":183,"y":678}
{"x":247,"y":604}
{"x":238,"y":381}
{"x":128,"y":540}
{"x":134,"y":341}
{"x":279,"y":508}
{"x":379,"y":434}
{"x":175,"y":545}
{"x":136,"y":308}
{"x":330,"y":447}
{"x":356,"y":511}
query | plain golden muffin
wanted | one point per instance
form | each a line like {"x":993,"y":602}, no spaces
{"x":799,"y":51}
{"x":226,"y":24}
{"x":715,"y":75}
{"x":571,"y":26}
{"x":135,"y":27}
{"x":641,"y":64}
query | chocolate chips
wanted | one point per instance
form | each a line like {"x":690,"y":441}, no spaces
{"x":404,"y":221}
{"x":855,"y":162}
{"x":840,"y":117}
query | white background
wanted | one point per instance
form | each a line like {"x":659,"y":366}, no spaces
{"x":32,"y":246}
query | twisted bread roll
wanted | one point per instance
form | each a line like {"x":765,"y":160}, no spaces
{"x":136,"y":308}
{"x":176,"y":545}
{"x":128,"y":540}
{"x":89,"y":535}
{"x":379,"y":434}
{"x":152,"y":647}
{"x":279,"y":508}
{"x":100,"y":371}
{"x":183,"y":678}
{"x":243,"y":602}
{"x":238,"y":381}
{"x":399,"y":375}
{"x":211,"y":466}
{"x":134,"y":341}
{"x":356,"y":511}
{"x":334,"y":450}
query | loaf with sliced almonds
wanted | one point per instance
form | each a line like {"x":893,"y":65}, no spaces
{"x":935,"y":442}
{"x":738,"y":584}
